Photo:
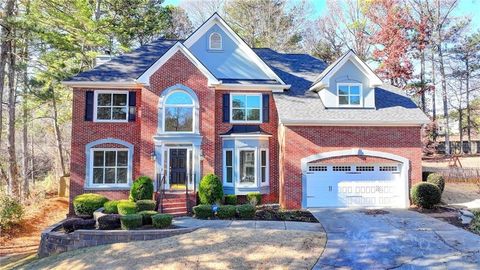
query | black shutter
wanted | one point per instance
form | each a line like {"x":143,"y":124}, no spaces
{"x":132,"y":101}
{"x":89,"y":106}
{"x":265,"y":107}
{"x":226,"y":108}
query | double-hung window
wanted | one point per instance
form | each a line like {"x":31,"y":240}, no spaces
{"x":247,"y":168}
{"x":263,"y":166}
{"x":110,"y":167}
{"x":228,"y":166}
{"x":349,"y":94}
{"x":111,"y":106}
{"x":246,"y":108}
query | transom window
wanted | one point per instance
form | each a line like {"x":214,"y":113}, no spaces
{"x":215,"y":42}
{"x":246,"y":108}
{"x":178,"y":112}
{"x":349,"y":94}
{"x":110,"y":166}
{"x":247,"y":167}
{"x":111,"y":106}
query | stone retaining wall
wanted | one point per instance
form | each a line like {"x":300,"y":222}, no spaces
{"x":54,"y":242}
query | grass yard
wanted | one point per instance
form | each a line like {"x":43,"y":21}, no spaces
{"x":201,"y":249}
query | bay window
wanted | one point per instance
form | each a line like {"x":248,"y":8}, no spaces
{"x":247,"y":167}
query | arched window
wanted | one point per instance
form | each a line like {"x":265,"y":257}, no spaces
{"x":179,"y":109}
{"x":215,"y":41}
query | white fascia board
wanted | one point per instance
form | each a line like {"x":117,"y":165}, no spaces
{"x":145,"y":77}
{"x":245,"y":136}
{"x":216,"y":19}
{"x":102,"y":84}
{"x":300,"y":122}
{"x":252,"y":87}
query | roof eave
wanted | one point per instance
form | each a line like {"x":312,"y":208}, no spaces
{"x":103,"y":84}
{"x":268,"y":87}
{"x":310,"y":122}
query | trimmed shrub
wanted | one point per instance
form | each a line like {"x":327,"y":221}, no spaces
{"x":210,"y":190}
{"x":74,"y":224}
{"x":127,"y":208}
{"x":130,"y":222}
{"x":87,"y":203}
{"x":146,"y":205}
{"x":162,"y":221}
{"x":226,"y":211}
{"x":109,"y":222}
{"x":254,"y":198}
{"x":438,"y":180}
{"x":111,"y":207}
{"x":425,"y":195}
{"x":246,"y":211}
{"x":203,"y":211}
{"x":142,"y":189}
{"x":230,"y":199}
{"x":147,"y":216}
{"x":11,"y":211}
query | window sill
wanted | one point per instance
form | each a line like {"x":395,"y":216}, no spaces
{"x":107,"y":188}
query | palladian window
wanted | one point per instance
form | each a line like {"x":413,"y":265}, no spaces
{"x":179,"y":109}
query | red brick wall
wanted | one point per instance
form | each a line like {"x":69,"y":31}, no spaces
{"x":270,"y":127}
{"x":84,"y":132}
{"x":302,"y":142}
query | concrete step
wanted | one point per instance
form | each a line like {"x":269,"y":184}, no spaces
{"x":174,"y":204}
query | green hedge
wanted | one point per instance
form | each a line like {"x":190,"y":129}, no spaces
{"x":142,"y":189}
{"x":254,"y":198}
{"x":11,"y":211}
{"x":226,"y":211}
{"x":147,"y":216}
{"x":146,"y":205}
{"x":109,"y":222}
{"x":425,"y":195}
{"x":86,"y":204}
{"x":162,"y":221}
{"x":127,"y":208}
{"x":231,"y":199}
{"x":210,"y":190}
{"x":130,"y":222}
{"x":203,"y":211}
{"x":111,"y":207}
{"x":246,"y":211}
{"x":74,"y":224}
{"x":438,"y":180}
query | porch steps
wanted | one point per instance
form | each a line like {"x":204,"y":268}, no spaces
{"x":175,"y":203}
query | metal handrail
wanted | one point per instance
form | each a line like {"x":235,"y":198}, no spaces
{"x":161,"y":192}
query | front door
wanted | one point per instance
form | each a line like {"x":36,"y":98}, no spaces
{"x":178,"y":166}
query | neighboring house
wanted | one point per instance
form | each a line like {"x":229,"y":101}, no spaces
{"x":286,"y":125}
{"x":454,"y":140}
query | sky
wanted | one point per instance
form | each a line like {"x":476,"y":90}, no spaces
{"x":465,"y":7}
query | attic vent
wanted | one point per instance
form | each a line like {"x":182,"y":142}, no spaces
{"x":215,"y":41}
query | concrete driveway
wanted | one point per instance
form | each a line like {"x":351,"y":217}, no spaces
{"x":401,"y":239}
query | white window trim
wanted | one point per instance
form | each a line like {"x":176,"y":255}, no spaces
{"x":225,"y":183}
{"x":246,"y":121}
{"x":95,"y":105}
{"x":112,"y":185}
{"x":267,"y":167}
{"x":165,"y":106}
{"x":210,"y":42}
{"x":360,"y":93}
{"x":255,"y":160}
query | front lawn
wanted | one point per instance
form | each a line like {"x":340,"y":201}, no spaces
{"x":201,"y":249}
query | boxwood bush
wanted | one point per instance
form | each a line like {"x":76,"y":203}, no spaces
{"x":127,"y":208}
{"x":130,"y":222}
{"x":111,"y":207}
{"x":142,"y":189}
{"x":147,"y":216}
{"x":226,"y":211}
{"x":162,"y":221}
{"x":203,"y":211}
{"x":254,"y":198}
{"x":146,"y":205}
{"x":438,"y":180}
{"x":231,"y":199}
{"x":210,"y":190}
{"x":425,"y":195}
{"x":246,"y":211}
{"x":109,"y":222}
{"x":11,"y":211}
{"x":87,"y":203}
{"x":74,"y":224}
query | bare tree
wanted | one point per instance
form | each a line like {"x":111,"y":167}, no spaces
{"x":200,"y":10}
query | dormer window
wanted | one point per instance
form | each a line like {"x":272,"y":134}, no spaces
{"x":349,"y":94}
{"x":215,"y":41}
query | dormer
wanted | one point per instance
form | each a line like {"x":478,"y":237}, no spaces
{"x":347,"y":83}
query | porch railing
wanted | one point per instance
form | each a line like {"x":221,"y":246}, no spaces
{"x":160,"y":189}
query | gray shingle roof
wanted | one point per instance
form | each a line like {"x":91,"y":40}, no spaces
{"x":298,"y":104}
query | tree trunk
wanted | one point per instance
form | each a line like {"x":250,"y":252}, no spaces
{"x":25,"y":116}
{"x":467,"y":88}
{"x":444,"y":93}
{"x":460,"y":119}
{"x":434,"y":91}
{"x":58,"y":135}
{"x":12,"y":98}
{"x":422,"y":80}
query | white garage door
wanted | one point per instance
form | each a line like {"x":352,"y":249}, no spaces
{"x":354,"y":186}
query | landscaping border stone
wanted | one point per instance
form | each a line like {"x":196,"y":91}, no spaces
{"x":55,"y":242}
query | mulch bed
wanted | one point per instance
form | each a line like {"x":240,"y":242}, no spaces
{"x":273,"y":212}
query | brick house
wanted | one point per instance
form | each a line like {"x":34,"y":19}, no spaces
{"x":302,"y":133}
